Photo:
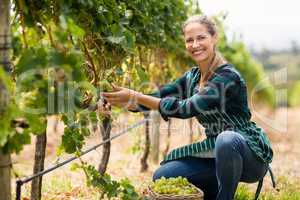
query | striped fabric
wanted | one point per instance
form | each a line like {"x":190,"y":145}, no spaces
{"x":221,"y":105}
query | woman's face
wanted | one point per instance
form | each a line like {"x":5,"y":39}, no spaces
{"x":199,"y":42}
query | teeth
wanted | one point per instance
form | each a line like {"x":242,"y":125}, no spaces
{"x":197,"y":52}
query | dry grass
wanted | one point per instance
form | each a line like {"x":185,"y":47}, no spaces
{"x":65,"y":184}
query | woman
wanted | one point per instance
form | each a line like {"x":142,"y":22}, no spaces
{"x":215,"y":93}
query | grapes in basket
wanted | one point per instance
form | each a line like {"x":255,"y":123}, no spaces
{"x":176,"y":186}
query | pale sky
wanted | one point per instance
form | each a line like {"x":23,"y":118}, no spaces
{"x":262,"y":23}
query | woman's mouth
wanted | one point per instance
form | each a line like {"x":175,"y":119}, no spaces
{"x":197,"y":52}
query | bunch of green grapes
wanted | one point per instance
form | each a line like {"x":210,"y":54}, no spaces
{"x":177,"y":186}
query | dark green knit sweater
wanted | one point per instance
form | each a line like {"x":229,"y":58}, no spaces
{"x":220,"y":105}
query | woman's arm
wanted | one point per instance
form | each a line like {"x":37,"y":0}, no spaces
{"x":124,"y":97}
{"x":148,"y":101}
{"x":176,"y":88}
{"x":136,"y":102}
{"x":216,"y":93}
{"x":224,"y":87}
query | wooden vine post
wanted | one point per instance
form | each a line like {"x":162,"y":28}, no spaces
{"x":168,"y":140}
{"x":144,"y":164}
{"x":105,"y":130}
{"x":39,"y":160}
{"x":191,"y":131}
{"x":155,"y":136}
{"x":5,"y":158}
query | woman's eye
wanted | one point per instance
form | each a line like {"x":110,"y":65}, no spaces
{"x":189,"y":40}
{"x":200,"y":38}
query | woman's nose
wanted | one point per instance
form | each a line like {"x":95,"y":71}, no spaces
{"x":195,"y":43}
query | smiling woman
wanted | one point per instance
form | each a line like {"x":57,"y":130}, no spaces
{"x":200,"y":41}
{"x":235,"y":149}
{"x":200,"y":37}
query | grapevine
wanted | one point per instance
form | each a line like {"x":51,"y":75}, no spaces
{"x":64,"y":53}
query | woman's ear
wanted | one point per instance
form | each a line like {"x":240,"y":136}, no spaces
{"x":215,"y":37}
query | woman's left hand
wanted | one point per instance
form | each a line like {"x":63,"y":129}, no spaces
{"x":121,"y":97}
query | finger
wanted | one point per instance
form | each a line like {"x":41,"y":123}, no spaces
{"x":107,"y":112}
{"x":112,"y":102}
{"x":115,"y":103}
{"x":116,"y":88}
{"x":100,"y":109}
{"x":118,"y":100}
{"x":121,"y":104}
{"x":110,"y":94}
{"x":100,"y":102}
{"x":107,"y":107}
{"x":110,"y":99}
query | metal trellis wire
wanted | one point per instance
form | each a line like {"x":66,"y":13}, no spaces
{"x":20,"y":182}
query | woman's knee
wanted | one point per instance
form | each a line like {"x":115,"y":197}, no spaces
{"x":157,"y":174}
{"x":175,"y":168}
{"x":167,"y":170}
{"x":228,"y":140}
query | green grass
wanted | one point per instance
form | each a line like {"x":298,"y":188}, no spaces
{"x":56,"y":187}
{"x":285,"y":190}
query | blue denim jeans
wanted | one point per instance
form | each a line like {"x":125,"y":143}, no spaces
{"x":218,"y":177}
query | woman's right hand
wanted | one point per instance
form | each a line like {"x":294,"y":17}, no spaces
{"x":103,"y":108}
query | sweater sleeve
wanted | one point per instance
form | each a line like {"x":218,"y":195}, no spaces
{"x":176,"y":89}
{"x":215,"y":94}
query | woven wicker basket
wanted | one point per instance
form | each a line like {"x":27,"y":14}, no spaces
{"x":155,"y":196}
